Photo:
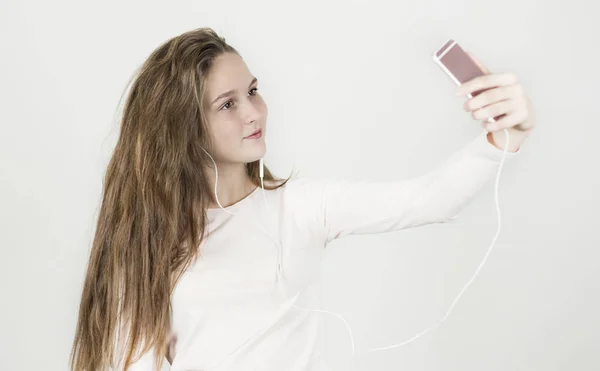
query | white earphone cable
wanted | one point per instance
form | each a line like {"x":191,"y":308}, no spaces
{"x":496,"y":184}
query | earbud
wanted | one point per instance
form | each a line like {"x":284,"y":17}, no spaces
{"x":261,"y":167}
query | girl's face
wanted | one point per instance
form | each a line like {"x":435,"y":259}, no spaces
{"x":235,"y":110}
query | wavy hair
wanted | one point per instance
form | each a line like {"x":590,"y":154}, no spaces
{"x":153,"y":213}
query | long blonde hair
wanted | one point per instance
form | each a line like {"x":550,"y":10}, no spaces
{"x":153,"y":213}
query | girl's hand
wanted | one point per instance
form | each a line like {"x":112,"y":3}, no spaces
{"x":503,"y":96}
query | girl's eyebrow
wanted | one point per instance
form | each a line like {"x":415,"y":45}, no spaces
{"x":230,"y":92}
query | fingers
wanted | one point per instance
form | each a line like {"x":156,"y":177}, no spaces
{"x":501,"y":102}
{"x":493,"y":110}
{"x":489,"y":97}
{"x":511,"y":119}
{"x":486,"y":82}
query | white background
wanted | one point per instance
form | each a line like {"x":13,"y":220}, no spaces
{"x":352,"y":93}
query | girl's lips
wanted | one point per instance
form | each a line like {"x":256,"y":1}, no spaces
{"x":256,"y":135}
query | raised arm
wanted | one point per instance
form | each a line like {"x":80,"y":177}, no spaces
{"x":360,"y":207}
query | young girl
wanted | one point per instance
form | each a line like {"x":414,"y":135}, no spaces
{"x":197,"y":259}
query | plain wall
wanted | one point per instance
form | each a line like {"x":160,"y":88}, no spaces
{"x":352,"y":93}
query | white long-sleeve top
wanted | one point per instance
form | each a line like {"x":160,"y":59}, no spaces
{"x":237,"y":307}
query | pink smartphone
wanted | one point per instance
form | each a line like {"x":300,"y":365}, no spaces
{"x":456,"y":63}
{"x":459,"y":66}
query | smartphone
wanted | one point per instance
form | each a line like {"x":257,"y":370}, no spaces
{"x":459,"y":66}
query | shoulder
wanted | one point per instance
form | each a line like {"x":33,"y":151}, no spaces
{"x":309,"y":192}
{"x":303,"y":185}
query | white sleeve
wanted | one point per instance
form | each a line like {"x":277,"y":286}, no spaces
{"x":363,"y":207}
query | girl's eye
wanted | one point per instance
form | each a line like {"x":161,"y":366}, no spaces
{"x":227,"y":105}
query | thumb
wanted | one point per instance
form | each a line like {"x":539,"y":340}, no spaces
{"x":478,"y":63}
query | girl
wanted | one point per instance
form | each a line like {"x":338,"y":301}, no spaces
{"x":199,"y":259}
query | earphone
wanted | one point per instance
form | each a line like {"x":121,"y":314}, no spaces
{"x":290,"y":302}
{"x":496,"y":185}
